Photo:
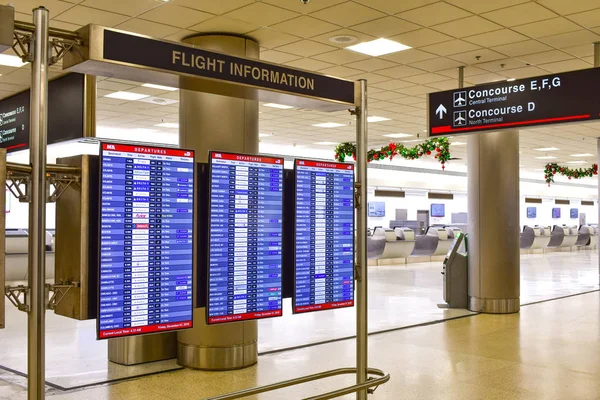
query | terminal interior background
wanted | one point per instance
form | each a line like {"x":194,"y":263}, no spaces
{"x":495,"y":40}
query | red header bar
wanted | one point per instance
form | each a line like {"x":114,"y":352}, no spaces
{"x":246,"y":158}
{"x":138,"y":330}
{"x":159,"y":151}
{"x":244,"y":317}
{"x":326,"y":306}
{"x":324,"y":164}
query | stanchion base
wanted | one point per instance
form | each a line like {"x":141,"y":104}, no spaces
{"x":217,"y":358}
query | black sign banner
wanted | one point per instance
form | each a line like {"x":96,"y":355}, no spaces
{"x":557,"y":98}
{"x":142,"y":51}
{"x":65,"y":114}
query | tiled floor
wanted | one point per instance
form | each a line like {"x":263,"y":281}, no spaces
{"x":399,"y":296}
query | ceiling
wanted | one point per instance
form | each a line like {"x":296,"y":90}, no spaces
{"x":494,"y":39}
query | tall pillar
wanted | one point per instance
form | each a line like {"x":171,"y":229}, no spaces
{"x":213,"y":122}
{"x":493,"y":197}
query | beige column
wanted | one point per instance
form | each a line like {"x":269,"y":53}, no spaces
{"x":212,"y":122}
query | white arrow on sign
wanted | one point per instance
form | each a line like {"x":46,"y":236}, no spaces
{"x":441,"y":110}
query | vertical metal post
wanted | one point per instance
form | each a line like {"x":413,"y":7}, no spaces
{"x":596,"y":65}
{"x":36,"y":323}
{"x":362,"y":309}
{"x":461,"y":77}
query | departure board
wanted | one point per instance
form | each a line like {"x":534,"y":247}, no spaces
{"x":245,"y":237}
{"x":324,"y":252}
{"x":146,"y":240}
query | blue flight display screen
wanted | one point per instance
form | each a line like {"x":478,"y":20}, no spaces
{"x":146,"y":240}
{"x":324,"y":256}
{"x":245,"y":237}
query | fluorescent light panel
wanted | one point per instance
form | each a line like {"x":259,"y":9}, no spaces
{"x":576,"y":162}
{"x":280,"y":106}
{"x":168,"y":125}
{"x":326,"y":143}
{"x":11,"y":61}
{"x":546,"y":158}
{"x":582,"y":155}
{"x":126,"y":96}
{"x":265,"y":134}
{"x":161,"y":87}
{"x":397,"y":135}
{"x":457,"y":143}
{"x":378,"y":47}
{"x":329,"y":125}
{"x":548,"y":149}
{"x":377,"y":119}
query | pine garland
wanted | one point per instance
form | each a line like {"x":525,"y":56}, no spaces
{"x":441,"y":146}
{"x":552,"y":169}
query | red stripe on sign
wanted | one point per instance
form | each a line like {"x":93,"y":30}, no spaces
{"x":448,"y":129}
{"x":16,"y":146}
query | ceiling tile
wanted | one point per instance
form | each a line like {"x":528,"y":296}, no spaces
{"x":548,"y":27}
{"x":469,"y":26}
{"x":224,"y":24}
{"x":278,"y":57}
{"x":360,"y":37}
{"x":426,"y":78}
{"x":386,"y":27}
{"x":421,"y":37}
{"x":305,"y":48}
{"x":477,"y":56}
{"x":468,"y":71}
{"x":340,"y":57}
{"x":65,"y":25}
{"x":300,"y":7}
{"x":369,"y":76}
{"x":499,"y":65}
{"x":393,"y":84}
{"x":496,"y":38}
{"x":565,"y":7}
{"x":261,"y":14}
{"x":393,"y":7}
{"x":408,"y":56}
{"x":347,"y":14}
{"x":434,"y":14}
{"x":564,"y":66}
{"x":449,"y":84}
{"x":309,"y":64}
{"x":518,"y":49}
{"x":571,"y":39}
{"x":588,"y":19}
{"x":270,"y":38}
{"x":171,"y":14}
{"x":26,"y":6}
{"x":417,"y":90}
{"x":584,"y":50}
{"x":525,"y":72}
{"x":520,"y":14}
{"x":91,"y":16}
{"x":340,"y":71}
{"x":131,"y":8}
{"x":401,"y":71}
{"x":451,"y":47}
{"x":545,"y":57}
{"x":217,"y":7}
{"x":481,"y":6}
{"x":305,"y":26}
{"x":147,"y":28}
{"x":486,"y":78}
{"x":437,"y":64}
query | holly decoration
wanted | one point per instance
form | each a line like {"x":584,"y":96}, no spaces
{"x":441,"y":147}
{"x":552,"y":169}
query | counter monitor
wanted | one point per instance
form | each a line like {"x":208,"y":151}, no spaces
{"x":245,"y":237}
{"x":324,"y":245}
{"x":438,"y":210}
{"x":531,"y":212}
{"x":574,"y":213}
{"x":146,"y":240}
{"x":376,"y":209}
{"x":556,"y":213}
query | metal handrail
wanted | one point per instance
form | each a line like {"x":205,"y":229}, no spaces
{"x":54,"y":32}
{"x":309,"y":378}
{"x":50,"y":168}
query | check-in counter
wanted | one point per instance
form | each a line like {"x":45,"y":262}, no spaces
{"x":375,"y":243}
{"x":584,"y":237}
{"x":563,"y":236}
{"x":17,"y":249}
{"x":434,"y":243}
{"x":399,"y":242}
{"x":535,"y":237}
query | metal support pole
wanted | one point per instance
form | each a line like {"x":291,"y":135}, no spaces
{"x":37,"y":208}
{"x":461,"y":77}
{"x":362,"y":309}
{"x":596,"y":65}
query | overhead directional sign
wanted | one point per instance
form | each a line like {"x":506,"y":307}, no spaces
{"x":558,"y":98}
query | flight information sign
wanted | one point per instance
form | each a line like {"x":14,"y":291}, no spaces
{"x":146,"y":240}
{"x":324,"y":253}
{"x":550,"y":99}
{"x":245,"y":237}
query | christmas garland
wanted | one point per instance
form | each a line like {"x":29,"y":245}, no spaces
{"x":552,"y":169}
{"x":439,"y":145}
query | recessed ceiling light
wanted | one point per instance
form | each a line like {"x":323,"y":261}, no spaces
{"x":582,"y":155}
{"x":161,"y":87}
{"x":378,"y":47}
{"x":329,"y":125}
{"x":511,"y":80}
{"x":545,"y":158}
{"x":343,"y":39}
{"x":457,"y":143}
{"x":265,"y":134}
{"x":575,"y":162}
{"x":397,"y":135}
{"x":173,"y":125}
{"x":275,"y":105}
{"x":548,"y":149}
{"x":377,"y":119}
{"x":161,"y":101}
{"x":326,"y":143}
{"x":11,"y":61}
{"x":126,"y":96}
